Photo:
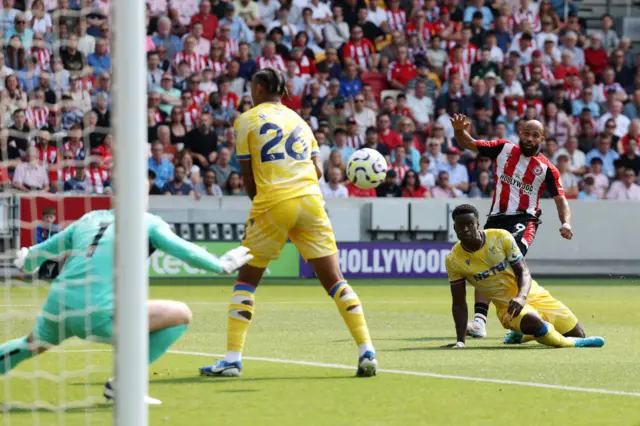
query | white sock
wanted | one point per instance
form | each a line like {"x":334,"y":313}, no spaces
{"x":479,"y":318}
{"x":233,"y":356}
{"x":364,"y":348}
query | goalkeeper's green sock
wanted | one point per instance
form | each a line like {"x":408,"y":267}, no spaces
{"x":161,"y":340}
{"x":13,"y":353}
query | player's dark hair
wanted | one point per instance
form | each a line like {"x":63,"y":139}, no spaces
{"x":464,"y":209}
{"x":272,"y":80}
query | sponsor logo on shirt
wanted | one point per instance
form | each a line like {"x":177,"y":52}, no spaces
{"x":527,"y":188}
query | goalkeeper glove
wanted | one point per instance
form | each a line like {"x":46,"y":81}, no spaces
{"x":21,"y":256}
{"x":234,"y":259}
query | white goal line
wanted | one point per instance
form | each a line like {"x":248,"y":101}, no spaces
{"x":406,"y":373}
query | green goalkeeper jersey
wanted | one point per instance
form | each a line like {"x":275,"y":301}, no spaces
{"x":86,"y":281}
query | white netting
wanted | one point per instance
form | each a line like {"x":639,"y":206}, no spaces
{"x":55,"y":138}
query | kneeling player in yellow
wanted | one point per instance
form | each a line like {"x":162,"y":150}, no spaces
{"x":491,"y":261}
{"x":280,"y":163}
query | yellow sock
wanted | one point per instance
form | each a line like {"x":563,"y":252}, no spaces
{"x":550,"y":337}
{"x":240,"y":314}
{"x":351,"y":310}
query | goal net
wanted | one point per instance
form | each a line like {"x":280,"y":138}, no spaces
{"x":57,"y":147}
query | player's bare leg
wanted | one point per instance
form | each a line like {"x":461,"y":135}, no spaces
{"x":478,"y":326}
{"x":328,"y":272}
{"x":544,"y":332}
{"x":239,"y":317}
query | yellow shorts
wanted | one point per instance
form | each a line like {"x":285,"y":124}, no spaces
{"x":550,"y":309}
{"x":302,"y":219}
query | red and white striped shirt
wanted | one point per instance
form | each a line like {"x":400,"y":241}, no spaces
{"x":78,"y":151}
{"x":43,"y":56}
{"x":547,"y":74}
{"x":48,"y":155}
{"x":191,"y":115}
{"x":400,"y":169}
{"x":354,"y":142}
{"x":231,"y":48}
{"x":469,"y":54}
{"x":573,"y":93}
{"x":520,"y":180}
{"x":463,"y":70}
{"x":524,"y":104}
{"x":37,"y":116}
{"x":427,"y":30}
{"x":196,"y":62}
{"x":360,"y":52}
{"x":218,"y":68}
{"x":276,"y":62}
{"x":66,"y":174}
{"x":527,"y":15}
{"x":397,"y":19}
{"x":199,"y":98}
{"x":231,"y":100}
{"x":99,"y":176}
{"x":306,"y":67}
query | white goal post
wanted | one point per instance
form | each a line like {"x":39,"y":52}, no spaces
{"x":130,"y":188}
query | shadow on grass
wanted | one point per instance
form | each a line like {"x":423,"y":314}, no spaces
{"x":98,"y":407}
{"x":472,"y":348}
{"x":219,"y":380}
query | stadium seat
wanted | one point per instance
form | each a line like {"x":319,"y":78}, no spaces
{"x":214,"y":232}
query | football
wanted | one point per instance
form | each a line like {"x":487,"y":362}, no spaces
{"x":366,"y":168}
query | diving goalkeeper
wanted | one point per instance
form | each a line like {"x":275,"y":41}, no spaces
{"x":81,"y":299}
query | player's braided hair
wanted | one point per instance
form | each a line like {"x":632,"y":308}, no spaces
{"x":272,"y":80}
{"x":465,"y":209}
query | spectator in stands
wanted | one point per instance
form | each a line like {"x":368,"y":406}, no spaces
{"x":588,"y":189}
{"x":443,"y":188}
{"x":604,"y":152}
{"x":412,"y":188}
{"x":351,"y":84}
{"x":608,"y":35}
{"x":482,"y":187}
{"x":80,"y":182}
{"x":622,"y":122}
{"x":153,"y":188}
{"x":630,"y":159}
{"x":389,"y":188}
{"x":577,"y":158}
{"x":457,"y":173}
{"x":100,"y":60}
{"x":233,"y":185}
{"x":202,"y":141}
{"x":222,"y":167}
{"x":365,"y":117}
{"x":601,"y":181}
{"x":178,"y":186}
{"x":31,"y":175}
{"x":625,"y":189}
{"x":340,"y":144}
{"x":333,"y":188}
{"x":596,"y":57}
{"x":162,"y":167}
{"x":208,"y":186}
{"x":421,"y":107}
{"x":569,"y":180}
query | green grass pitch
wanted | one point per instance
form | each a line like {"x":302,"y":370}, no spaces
{"x":295,"y":322}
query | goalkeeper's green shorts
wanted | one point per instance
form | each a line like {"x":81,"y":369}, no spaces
{"x":53,"y":329}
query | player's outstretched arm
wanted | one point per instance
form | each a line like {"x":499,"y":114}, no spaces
{"x":460,"y":126}
{"x":30,"y":259}
{"x":164,"y":239}
{"x":460,"y":313}
{"x":521,"y":270}
{"x":564,"y":213}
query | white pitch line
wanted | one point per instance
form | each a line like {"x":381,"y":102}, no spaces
{"x":424,"y":374}
{"x":302,"y":302}
{"x":402,"y":372}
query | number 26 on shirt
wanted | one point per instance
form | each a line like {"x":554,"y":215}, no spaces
{"x":271,"y":151}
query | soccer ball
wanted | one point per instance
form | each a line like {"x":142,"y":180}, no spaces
{"x":366,"y":168}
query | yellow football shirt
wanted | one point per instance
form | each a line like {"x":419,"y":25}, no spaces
{"x":280,"y":145}
{"x":489,"y":269}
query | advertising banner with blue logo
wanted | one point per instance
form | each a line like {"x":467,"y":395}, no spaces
{"x":389,"y":260}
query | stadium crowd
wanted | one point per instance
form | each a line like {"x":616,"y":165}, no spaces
{"x":385,"y":75}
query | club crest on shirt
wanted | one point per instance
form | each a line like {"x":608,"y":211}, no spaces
{"x":492,"y":249}
{"x":468,"y":262}
{"x":537,"y":170}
